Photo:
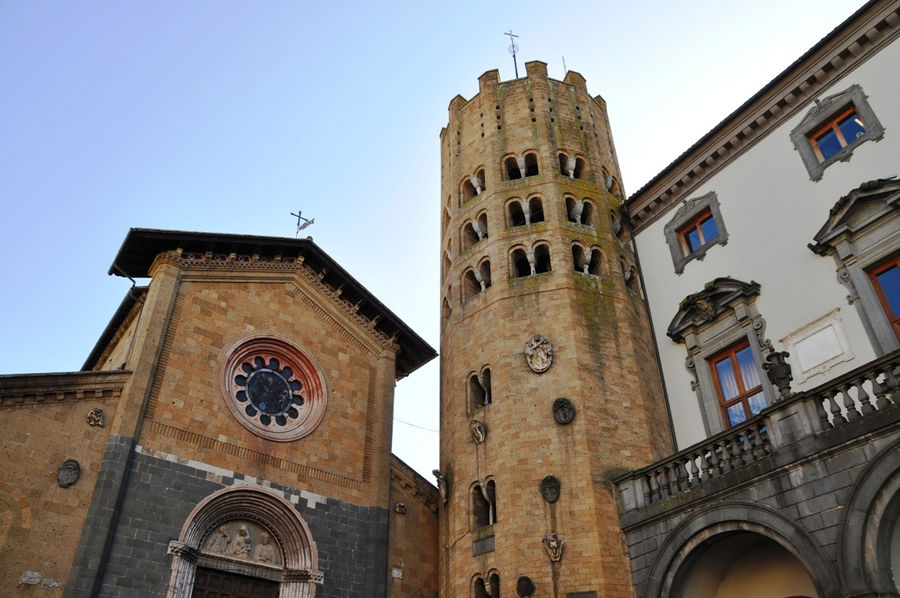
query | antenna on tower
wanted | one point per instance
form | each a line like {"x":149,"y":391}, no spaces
{"x":302,"y":222}
{"x":565,"y":70}
{"x":513,"y":48}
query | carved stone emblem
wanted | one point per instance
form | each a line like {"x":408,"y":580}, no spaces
{"x":563,"y":411}
{"x":479,"y":431}
{"x":524,"y":587}
{"x":68,"y":473}
{"x":400,"y":508}
{"x":539,"y":353}
{"x":550,"y":488}
{"x":441,"y":484}
{"x":95,"y":417}
{"x":554,"y":547}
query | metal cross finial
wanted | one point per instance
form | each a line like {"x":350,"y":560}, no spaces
{"x":513,"y":48}
{"x":302,"y":222}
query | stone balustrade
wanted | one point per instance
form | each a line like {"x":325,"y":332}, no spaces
{"x":788,"y":430}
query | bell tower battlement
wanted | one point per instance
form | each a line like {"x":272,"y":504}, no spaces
{"x":549,"y":387}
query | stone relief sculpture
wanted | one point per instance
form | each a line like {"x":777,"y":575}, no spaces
{"x":241,"y":544}
{"x":539,"y":353}
{"x":219,"y":542}
{"x":563,"y":411}
{"x":479,"y":431}
{"x":550,"y":487}
{"x":554,"y":547}
{"x":265,"y":552}
{"x":68,"y":473}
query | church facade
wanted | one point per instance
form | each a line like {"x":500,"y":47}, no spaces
{"x":691,"y":391}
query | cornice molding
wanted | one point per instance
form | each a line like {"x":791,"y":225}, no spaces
{"x":34,"y":389}
{"x":789,"y":93}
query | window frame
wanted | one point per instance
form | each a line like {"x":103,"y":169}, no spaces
{"x":691,"y":211}
{"x":821,"y":116}
{"x":873,"y":272}
{"x":744,"y":394}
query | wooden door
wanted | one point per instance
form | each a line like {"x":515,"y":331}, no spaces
{"x":210,"y":583}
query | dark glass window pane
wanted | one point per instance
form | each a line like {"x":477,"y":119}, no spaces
{"x":749,"y":373}
{"x":727,"y":380}
{"x":736,"y":414}
{"x":828,"y":144}
{"x":693,"y":238}
{"x":710,"y":232}
{"x":757,"y":403}
{"x":890,"y":285}
{"x":851,"y":127}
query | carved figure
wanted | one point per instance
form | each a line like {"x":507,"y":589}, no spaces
{"x":441,"y":484}
{"x":779,"y":372}
{"x":550,"y":488}
{"x":219,"y":542}
{"x":479,"y":431}
{"x":524,"y":587}
{"x":240,"y":546}
{"x":563,"y":411}
{"x":400,"y":508}
{"x":30,"y":578}
{"x":539,"y":353}
{"x":68,"y":473}
{"x":265,"y":552}
{"x":554,"y":547}
{"x":95,"y":417}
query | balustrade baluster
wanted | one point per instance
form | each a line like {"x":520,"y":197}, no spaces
{"x":654,"y":488}
{"x":695,"y":470}
{"x":865,"y":399}
{"x":849,"y":405}
{"x":713,"y":461}
{"x":645,"y":489}
{"x":879,"y":390}
{"x":746,"y":447}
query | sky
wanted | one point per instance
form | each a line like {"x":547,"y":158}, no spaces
{"x":226,"y":116}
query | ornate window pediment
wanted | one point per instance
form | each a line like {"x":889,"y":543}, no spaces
{"x":863,"y":208}
{"x":706,"y":306}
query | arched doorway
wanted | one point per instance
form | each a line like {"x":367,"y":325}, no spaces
{"x":244,"y":543}
{"x":742,"y":565}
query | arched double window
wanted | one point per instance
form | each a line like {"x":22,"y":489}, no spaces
{"x":587,"y":261}
{"x":573,"y":167}
{"x":525,"y":263}
{"x":479,"y":388}
{"x":529,"y":212}
{"x":474,"y":231}
{"x":487,"y":586}
{"x":476,"y":280}
{"x":484,"y":504}
{"x":580,"y":211}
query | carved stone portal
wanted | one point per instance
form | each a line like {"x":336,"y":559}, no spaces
{"x":550,"y":489}
{"x":539,"y":353}
{"x":68,"y":473}
{"x":479,"y":431}
{"x":563,"y":411}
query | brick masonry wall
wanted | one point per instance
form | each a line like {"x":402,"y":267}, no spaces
{"x":351,"y":540}
{"x":413,"y":535}
{"x":40,"y":522}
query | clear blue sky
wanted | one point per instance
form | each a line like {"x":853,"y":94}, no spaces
{"x":226,"y":116}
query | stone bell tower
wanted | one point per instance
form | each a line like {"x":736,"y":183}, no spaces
{"x":549,"y":384}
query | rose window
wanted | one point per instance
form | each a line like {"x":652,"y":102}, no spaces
{"x":273,"y":388}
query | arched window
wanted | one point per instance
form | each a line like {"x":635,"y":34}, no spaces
{"x":535,"y":210}
{"x":482,"y":223}
{"x":468,"y":190}
{"x":516,"y":214}
{"x":541,"y":259}
{"x":471,"y":285}
{"x":445,"y":310}
{"x":480,"y":389}
{"x":262,"y":530}
{"x":531,"y":164}
{"x":445,"y":261}
{"x":484,"y":504}
{"x":580,"y":211}
{"x":595,"y":264}
{"x":563,"y":164}
{"x":468,"y":237}
{"x":479,"y":174}
{"x":485,"y":269}
{"x":616,"y":223}
{"x":579,"y":258}
{"x":580,"y":168}
{"x":486,"y":588}
{"x":629,"y":273}
{"x":511,"y":167}
{"x":445,"y":218}
{"x":587,"y":261}
{"x":520,"y":265}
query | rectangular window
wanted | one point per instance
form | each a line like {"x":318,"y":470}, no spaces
{"x":838,"y":133}
{"x":738,"y":384}
{"x":886,"y":280}
{"x":698,"y":232}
